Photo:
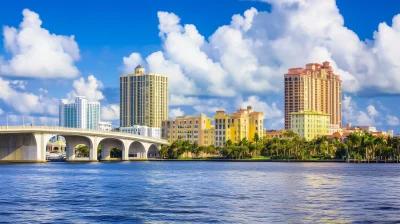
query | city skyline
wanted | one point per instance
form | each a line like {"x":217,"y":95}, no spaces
{"x":202,"y":80}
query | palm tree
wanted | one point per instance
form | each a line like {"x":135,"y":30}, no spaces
{"x":353,"y":139}
{"x":380,"y":143}
{"x":256,"y":139}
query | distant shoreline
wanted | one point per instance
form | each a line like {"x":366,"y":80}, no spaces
{"x":209,"y":160}
{"x":270,"y":160}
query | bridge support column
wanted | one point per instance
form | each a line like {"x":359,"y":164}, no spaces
{"x":93,"y":149}
{"x":125,"y":152}
{"x":41,"y":144}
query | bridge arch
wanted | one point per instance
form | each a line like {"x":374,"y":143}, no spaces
{"x":72,"y":141}
{"x":108,"y":144}
{"x":153,"y":152}
{"x":137,"y":151}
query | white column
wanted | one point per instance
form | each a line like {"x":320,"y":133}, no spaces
{"x":70,"y":148}
{"x":125,"y":151}
{"x":105,"y":150}
{"x":93,"y":149}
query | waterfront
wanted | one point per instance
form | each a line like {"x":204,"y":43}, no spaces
{"x":199,"y":192}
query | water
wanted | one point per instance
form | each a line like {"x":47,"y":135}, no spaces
{"x":202,"y":192}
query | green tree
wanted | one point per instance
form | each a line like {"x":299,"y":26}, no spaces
{"x":116,"y":153}
{"x":82,"y":150}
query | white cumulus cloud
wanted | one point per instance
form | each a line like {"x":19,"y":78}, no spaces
{"x":352,"y":114}
{"x":392,"y":120}
{"x":249,"y":56}
{"x":110,"y":112}
{"x":131,"y":62}
{"x":38,"y":53}
{"x":90,"y":88}
{"x":175,"y":113}
{"x":270,"y":111}
{"x":26,"y":102}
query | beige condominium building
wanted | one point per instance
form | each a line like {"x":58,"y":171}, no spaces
{"x":143,"y":99}
{"x":244,"y":123}
{"x":310,"y":124}
{"x":195,"y":128}
{"x":314,"y":88}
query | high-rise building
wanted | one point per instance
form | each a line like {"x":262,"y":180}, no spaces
{"x":314,"y":88}
{"x":79,"y":113}
{"x":245,"y":123}
{"x":310,"y":124}
{"x":194,"y":128}
{"x":143,"y":99}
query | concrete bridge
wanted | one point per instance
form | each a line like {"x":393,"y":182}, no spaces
{"x":28,"y":143}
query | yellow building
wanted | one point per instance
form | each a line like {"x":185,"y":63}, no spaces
{"x":316,"y":88}
{"x":310,"y":124}
{"x":143,"y":99}
{"x":242,"y":124}
{"x":195,"y":128}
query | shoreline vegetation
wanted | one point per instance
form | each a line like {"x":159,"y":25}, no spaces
{"x":359,"y":147}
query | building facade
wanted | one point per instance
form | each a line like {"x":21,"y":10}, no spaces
{"x":142,"y":131}
{"x":143,"y":99}
{"x":310,"y":124}
{"x":105,"y":126}
{"x":79,"y":113}
{"x":244,"y":123}
{"x":271,"y":134}
{"x":194,"y":128}
{"x":316,"y":88}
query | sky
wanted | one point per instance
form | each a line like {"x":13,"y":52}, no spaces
{"x":223,"y":54}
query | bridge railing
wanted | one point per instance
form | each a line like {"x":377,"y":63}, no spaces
{"x":57,"y":128}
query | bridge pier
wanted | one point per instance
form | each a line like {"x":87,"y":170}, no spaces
{"x":41,"y":143}
{"x":125,"y":153}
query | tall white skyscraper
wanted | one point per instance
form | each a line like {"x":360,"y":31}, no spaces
{"x":79,"y":113}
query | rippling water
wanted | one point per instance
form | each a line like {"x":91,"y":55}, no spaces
{"x":136,"y":192}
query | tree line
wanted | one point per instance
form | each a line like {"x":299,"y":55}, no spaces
{"x":357,"y":146}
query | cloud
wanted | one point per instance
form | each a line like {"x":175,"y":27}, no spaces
{"x":392,"y":120}
{"x":372,"y":111}
{"x":38,"y":53}
{"x":270,"y":111}
{"x":210,"y":106}
{"x":43,"y":91}
{"x":131,"y":62}
{"x":275,"y":124}
{"x":90,"y":88}
{"x":25,"y":102}
{"x":175,"y":113}
{"x":352,"y":114}
{"x":249,"y":56}
{"x":181,"y":100}
{"x":20,"y":84}
{"x":110,"y":112}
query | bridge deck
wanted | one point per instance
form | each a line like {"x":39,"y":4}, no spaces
{"x":77,"y":131}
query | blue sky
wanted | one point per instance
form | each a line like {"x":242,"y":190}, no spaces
{"x":263,"y":43}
